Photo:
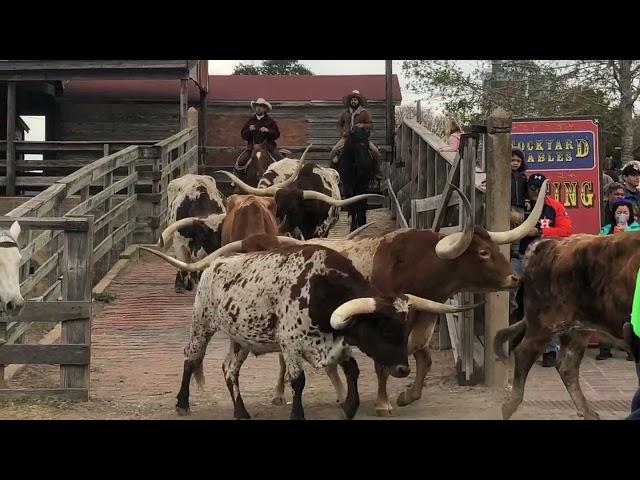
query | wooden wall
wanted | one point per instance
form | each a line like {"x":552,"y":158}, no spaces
{"x":300,"y":123}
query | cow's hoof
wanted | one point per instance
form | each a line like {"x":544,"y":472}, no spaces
{"x":508,"y":410}
{"x":406,"y":398}
{"x":183,"y":412}
{"x":243,"y":416}
{"x":350,"y":410}
{"x":279,"y":400}
{"x":179,"y":289}
{"x":589,"y":415}
{"x":384,"y":412}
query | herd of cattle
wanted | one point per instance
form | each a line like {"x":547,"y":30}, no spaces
{"x":271,"y":280}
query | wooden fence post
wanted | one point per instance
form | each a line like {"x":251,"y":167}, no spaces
{"x":497,"y":200}
{"x":77,"y":284}
{"x":11,"y":138}
{"x":184,"y":102}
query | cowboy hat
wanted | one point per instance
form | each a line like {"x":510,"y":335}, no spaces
{"x":355,"y":93}
{"x":261,"y":101}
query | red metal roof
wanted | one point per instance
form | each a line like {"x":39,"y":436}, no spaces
{"x":299,"y":88}
{"x":238,"y":87}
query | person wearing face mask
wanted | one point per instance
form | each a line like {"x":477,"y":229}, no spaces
{"x":622,"y":220}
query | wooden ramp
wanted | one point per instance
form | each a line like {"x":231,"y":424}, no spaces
{"x":381,"y":216}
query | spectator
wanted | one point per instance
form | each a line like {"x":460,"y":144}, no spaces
{"x":623,"y":219}
{"x":631,"y":180}
{"x":454,"y":133}
{"x":613,"y":192}
{"x":518,"y":197}
{"x":554,"y":222}
{"x":635,"y":407}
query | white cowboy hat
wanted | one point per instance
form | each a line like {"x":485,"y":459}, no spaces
{"x":261,"y":101}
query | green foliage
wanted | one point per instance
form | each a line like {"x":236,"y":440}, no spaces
{"x":273,"y":67}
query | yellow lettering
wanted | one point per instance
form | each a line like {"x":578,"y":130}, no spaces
{"x":558,"y":145}
{"x":550,"y":157}
{"x":521,"y":145}
{"x":582,"y":148}
{"x":539,"y":145}
{"x":567,"y":157}
{"x":559,"y":157}
{"x":572,"y":190}
{"x":530,"y":159}
{"x":556,"y":191}
{"x":568,"y":145}
{"x":549,"y":144}
{"x":587,"y":194}
{"x":540,"y":157}
{"x":530,"y":145}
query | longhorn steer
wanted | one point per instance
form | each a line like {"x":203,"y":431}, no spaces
{"x":310,"y":206}
{"x":569,"y":291}
{"x":193,"y":196}
{"x":431,"y":265}
{"x":308,"y":302}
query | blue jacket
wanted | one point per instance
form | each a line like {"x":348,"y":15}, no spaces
{"x":633,"y":227}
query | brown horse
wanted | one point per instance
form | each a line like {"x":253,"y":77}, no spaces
{"x":259,"y":159}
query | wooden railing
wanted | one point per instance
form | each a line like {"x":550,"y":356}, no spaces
{"x":60,"y":158}
{"x":106,"y":190}
{"x":73,"y":353}
{"x":419,"y":186}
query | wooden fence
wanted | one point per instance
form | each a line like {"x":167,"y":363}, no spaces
{"x":106,"y":189}
{"x":419,"y":186}
{"x":60,"y":158}
{"x":73,"y":354}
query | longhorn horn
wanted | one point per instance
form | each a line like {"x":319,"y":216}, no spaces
{"x":168,"y":232}
{"x":228,"y":249}
{"x":358,"y":230}
{"x":269,"y":191}
{"x":313,"y":195}
{"x":455,"y":244}
{"x":341,"y":316}
{"x":521,"y":231}
{"x":426,"y":305}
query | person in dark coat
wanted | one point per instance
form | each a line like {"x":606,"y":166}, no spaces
{"x":259,"y":128}
{"x":518,"y":197}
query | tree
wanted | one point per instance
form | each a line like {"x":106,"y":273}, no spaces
{"x":621,"y":79}
{"x":246,"y":69}
{"x":273,"y":67}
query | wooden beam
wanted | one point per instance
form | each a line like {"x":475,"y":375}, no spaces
{"x":184,"y":103}
{"x":78,"y":273}
{"x":11,"y":138}
{"x":388,"y":92}
{"x":44,"y":354}
{"x":34,"y":223}
{"x":53,"y":312}
{"x":202,"y":127}
{"x":498,"y":199}
{"x":77,"y":394}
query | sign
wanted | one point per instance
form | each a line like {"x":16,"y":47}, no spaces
{"x":567,"y":152}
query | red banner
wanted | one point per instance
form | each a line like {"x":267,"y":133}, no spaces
{"x":567,"y":152}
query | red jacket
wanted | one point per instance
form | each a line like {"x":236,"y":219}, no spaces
{"x":257,"y":136}
{"x":560,"y":224}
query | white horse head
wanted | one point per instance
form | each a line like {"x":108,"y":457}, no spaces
{"x":11,"y":300}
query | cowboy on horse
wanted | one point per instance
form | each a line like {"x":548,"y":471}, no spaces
{"x":355,"y":116}
{"x":260,"y":128}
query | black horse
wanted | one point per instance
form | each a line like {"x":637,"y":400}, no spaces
{"x":357,"y":168}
